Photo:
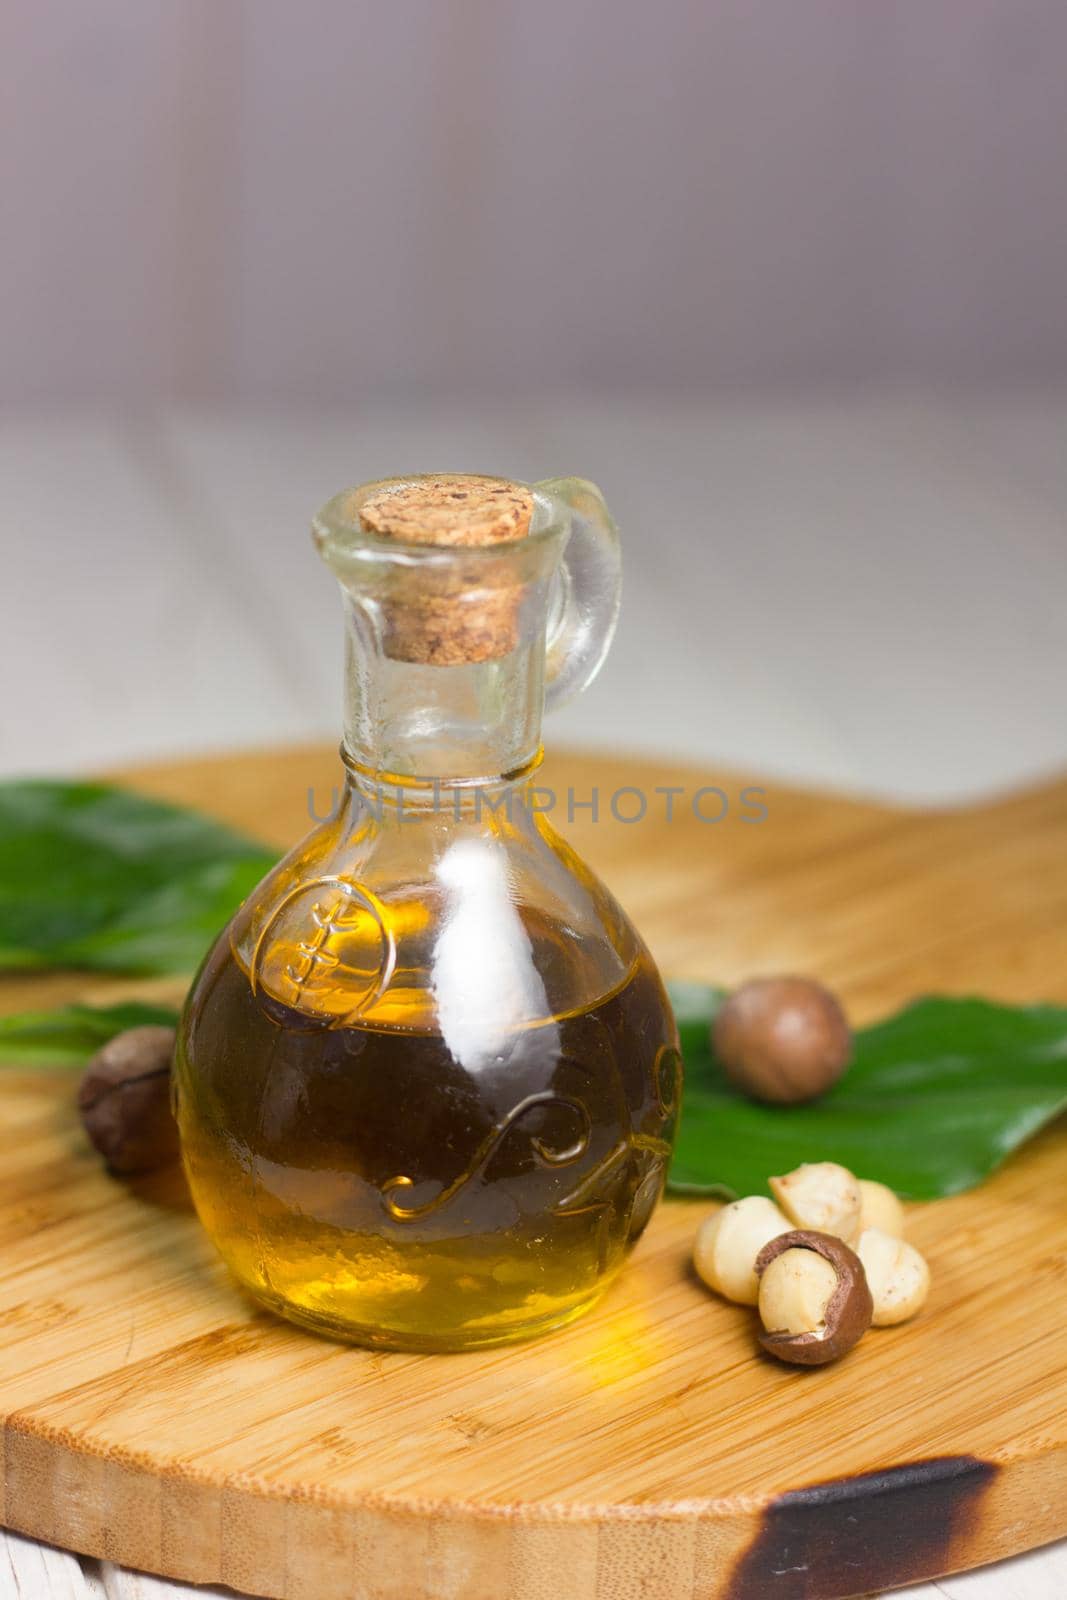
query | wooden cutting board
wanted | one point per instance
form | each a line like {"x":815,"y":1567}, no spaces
{"x":153,"y":1416}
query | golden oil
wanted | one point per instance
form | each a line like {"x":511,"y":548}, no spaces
{"x":369,"y":1182}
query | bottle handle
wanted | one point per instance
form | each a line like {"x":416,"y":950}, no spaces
{"x":588,"y":581}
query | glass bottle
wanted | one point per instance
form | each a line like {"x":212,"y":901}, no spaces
{"x":427,"y":1079}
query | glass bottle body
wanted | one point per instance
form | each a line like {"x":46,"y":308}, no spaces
{"x":442,"y":1171}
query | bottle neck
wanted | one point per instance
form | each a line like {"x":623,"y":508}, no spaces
{"x":415,"y":723}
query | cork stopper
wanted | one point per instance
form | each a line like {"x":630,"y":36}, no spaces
{"x":451,"y":617}
{"x":455,"y":508}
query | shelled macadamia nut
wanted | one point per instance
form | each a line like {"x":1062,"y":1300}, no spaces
{"x":795,"y":1291}
{"x":897,"y":1274}
{"x":880,"y":1208}
{"x":728,"y":1243}
{"x":822,"y":1196}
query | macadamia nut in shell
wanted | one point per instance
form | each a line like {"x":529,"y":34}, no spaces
{"x":124,"y":1100}
{"x":782,"y":1040}
{"x":813,"y":1311}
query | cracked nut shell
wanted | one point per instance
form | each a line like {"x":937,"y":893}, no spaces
{"x":849,"y":1310}
{"x":124,"y":1100}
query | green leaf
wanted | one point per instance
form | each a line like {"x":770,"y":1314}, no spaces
{"x":68,"y":1036}
{"x":94,"y":876}
{"x":936,"y":1098}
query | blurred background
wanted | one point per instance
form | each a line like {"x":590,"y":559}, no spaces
{"x":789,"y":281}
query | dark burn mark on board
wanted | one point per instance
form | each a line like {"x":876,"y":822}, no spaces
{"x":871,"y":1532}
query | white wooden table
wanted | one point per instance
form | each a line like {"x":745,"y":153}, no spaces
{"x":868,"y":593}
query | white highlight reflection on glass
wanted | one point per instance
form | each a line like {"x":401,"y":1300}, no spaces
{"x":484,"y":979}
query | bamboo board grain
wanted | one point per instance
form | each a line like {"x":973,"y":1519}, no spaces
{"x":154,"y":1417}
